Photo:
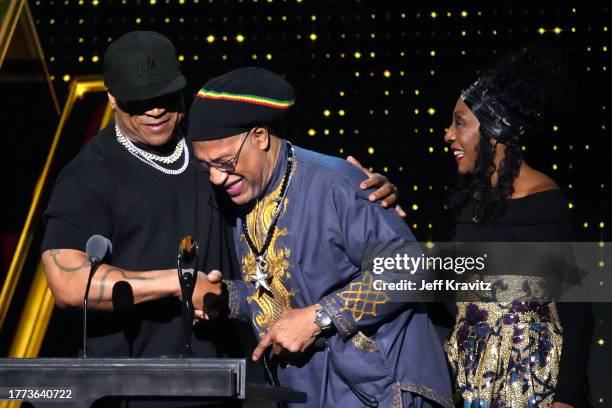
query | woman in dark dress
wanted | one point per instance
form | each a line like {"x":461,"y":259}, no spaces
{"x":512,"y":354}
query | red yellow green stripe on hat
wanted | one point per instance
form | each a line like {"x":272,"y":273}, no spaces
{"x":252,"y":99}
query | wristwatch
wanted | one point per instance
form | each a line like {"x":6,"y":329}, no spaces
{"x":323,"y":319}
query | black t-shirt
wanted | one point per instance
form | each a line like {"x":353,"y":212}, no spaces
{"x":106,"y":190}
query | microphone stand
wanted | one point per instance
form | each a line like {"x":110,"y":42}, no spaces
{"x":95,"y":262}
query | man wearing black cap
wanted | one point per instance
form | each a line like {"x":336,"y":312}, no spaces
{"x":135,"y":184}
{"x":302,"y":229}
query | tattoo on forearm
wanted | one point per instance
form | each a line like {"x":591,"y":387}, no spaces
{"x":55,"y":255}
{"x":124,"y":274}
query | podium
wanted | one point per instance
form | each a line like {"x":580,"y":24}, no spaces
{"x":78,"y":382}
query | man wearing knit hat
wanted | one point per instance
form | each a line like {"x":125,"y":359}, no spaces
{"x":136,"y":184}
{"x":301,"y":229}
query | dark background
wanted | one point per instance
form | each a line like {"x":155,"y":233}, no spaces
{"x":375,"y":79}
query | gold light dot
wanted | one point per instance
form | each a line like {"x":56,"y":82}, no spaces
{"x":66,"y":78}
{"x":570,"y":205}
{"x":554,"y":167}
{"x":541,"y":30}
{"x":95,"y":3}
{"x":385,"y":169}
{"x":326,"y":132}
{"x":434,"y":14}
{"x":240,"y":38}
{"x":415,"y":207}
{"x":153,"y":1}
{"x":196,"y":57}
{"x":523,"y":148}
{"x":416,"y":92}
{"x":341,"y":112}
{"x":370,"y":150}
{"x":463,"y":33}
{"x":555,"y":128}
{"x":312,"y":132}
{"x":372,"y":54}
{"x":586,"y":147}
{"x":601,"y":224}
{"x":138,"y":20}
{"x":432,"y":53}
{"x":431,"y":111}
{"x":573,"y":29}
{"x":313,"y":37}
{"x":313,"y":18}
{"x":357,"y":74}
{"x":554,"y":147}
{"x":431,"y":149}
{"x":254,"y":56}
{"x":341,"y":150}
{"x":557,"y":30}
{"x":81,"y":58}
{"x":341,"y":93}
{"x":416,"y":111}
{"x":445,"y":149}
{"x":464,"y":13}
{"x":604,"y":48}
{"x":210,"y":39}
{"x":340,"y":131}
{"x":387,"y":73}
{"x":415,"y":187}
{"x":601,"y":264}
{"x":81,"y":39}
{"x":414,"y":226}
{"x":601,"y":342}
{"x":585,"y":225}
{"x":95,"y":58}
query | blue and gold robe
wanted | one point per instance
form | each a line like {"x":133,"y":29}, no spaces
{"x":387,"y":349}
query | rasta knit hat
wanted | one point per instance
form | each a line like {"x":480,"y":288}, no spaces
{"x":237,"y":101}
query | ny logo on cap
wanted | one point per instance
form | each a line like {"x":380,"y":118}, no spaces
{"x":146,"y":67}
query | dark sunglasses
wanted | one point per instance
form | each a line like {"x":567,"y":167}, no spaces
{"x":172,"y":102}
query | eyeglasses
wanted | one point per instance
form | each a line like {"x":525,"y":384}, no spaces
{"x":228,"y":166}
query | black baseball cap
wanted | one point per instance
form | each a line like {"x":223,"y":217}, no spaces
{"x":142,"y":65}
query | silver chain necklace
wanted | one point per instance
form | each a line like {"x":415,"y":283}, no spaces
{"x":148,"y":158}
{"x":127,"y":143}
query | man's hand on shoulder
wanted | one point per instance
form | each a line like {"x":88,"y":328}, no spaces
{"x":386,"y":192}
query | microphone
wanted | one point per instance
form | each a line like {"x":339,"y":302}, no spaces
{"x":96,"y":248}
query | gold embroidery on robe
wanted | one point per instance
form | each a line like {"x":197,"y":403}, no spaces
{"x":361,"y":299}
{"x":271,"y":305}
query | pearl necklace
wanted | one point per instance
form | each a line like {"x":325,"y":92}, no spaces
{"x":148,"y":158}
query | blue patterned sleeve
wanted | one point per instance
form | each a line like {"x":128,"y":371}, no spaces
{"x":361,"y":225}
{"x":237,"y":292}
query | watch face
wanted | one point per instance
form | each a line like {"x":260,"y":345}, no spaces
{"x":323,"y":319}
